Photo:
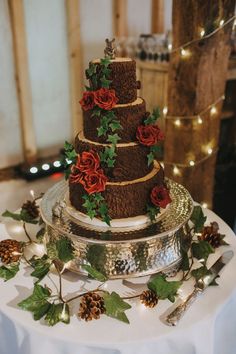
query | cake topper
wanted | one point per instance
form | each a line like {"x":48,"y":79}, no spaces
{"x":110,"y":49}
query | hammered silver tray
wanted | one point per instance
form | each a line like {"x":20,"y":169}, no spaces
{"x":126,"y":251}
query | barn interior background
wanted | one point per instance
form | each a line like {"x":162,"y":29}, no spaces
{"x":44,"y":49}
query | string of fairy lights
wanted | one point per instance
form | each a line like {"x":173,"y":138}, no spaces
{"x":209,"y":149}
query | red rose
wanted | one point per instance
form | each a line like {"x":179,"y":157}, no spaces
{"x":95,"y":182}
{"x":76,"y":176}
{"x":149,"y":134}
{"x":88,"y":161}
{"x":87,"y":101}
{"x":105,"y":98}
{"x":160,"y":196}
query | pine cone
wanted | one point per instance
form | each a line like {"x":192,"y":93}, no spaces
{"x":32,"y":208}
{"x":211,"y":235}
{"x":10,"y":251}
{"x":91,"y":306}
{"x":149,"y":298}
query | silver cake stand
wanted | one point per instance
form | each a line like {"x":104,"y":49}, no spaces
{"x":126,"y":251}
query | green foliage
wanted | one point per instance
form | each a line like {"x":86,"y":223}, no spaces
{"x":90,"y":71}
{"x":96,"y":256}
{"x":113,"y":139}
{"x":116,"y":307}
{"x":153,"y":151}
{"x":68,"y":158}
{"x":164,"y":289}
{"x":37,"y":303}
{"x":41,"y":266}
{"x":105,"y":82}
{"x":58,"y":313}
{"x":198,"y":218}
{"x":185,"y":261}
{"x":40,"y":234}
{"x":9,"y":271}
{"x":200,"y":273}
{"x":96,"y":206}
{"x":23,"y":216}
{"x":201,"y":250}
{"x":94,"y":273}
{"x":152,"y":212}
{"x":65,"y":249}
{"x":152,"y":118}
{"x":108,"y":124}
{"x":107,"y":156}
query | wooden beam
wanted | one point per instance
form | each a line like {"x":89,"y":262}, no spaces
{"x":158,"y":13}
{"x":120,"y":26}
{"x":16,"y":10}
{"x":195,"y":82}
{"x":75,"y":62}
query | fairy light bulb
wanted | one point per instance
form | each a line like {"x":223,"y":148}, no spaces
{"x":176,"y":171}
{"x":165,"y":110}
{"x":209,"y":151}
{"x":169,"y":46}
{"x":185,"y":53}
{"x":222,"y":23}
{"x":199,"y":120}
{"x":191,"y":163}
{"x":213,"y":110}
{"x":177,"y":122}
{"x":33,"y":170}
{"x":204,"y":205}
{"x":202,"y":32}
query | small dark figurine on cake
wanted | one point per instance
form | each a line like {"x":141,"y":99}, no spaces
{"x":110,"y":50}
{"x":116,"y":175}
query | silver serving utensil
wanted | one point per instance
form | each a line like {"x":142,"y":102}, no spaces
{"x":175,"y":315}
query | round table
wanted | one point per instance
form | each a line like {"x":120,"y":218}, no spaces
{"x":207,"y":327}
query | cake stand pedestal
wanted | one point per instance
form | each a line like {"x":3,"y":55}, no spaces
{"x":126,"y":251}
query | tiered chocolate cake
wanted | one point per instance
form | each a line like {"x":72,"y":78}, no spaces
{"x":116,"y":175}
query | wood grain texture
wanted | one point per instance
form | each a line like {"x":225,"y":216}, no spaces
{"x":158,"y":13}
{"x":75,"y":62}
{"x":120,"y":26}
{"x":16,"y":10}
{"x":194,"y":84}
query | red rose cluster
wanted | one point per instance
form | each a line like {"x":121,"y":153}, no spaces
{"x":160,"y":196}
{"x":149,"y":134}
{"x":103,"y":98}
{"x":87,"y":171}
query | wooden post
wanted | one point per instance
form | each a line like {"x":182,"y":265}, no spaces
{"x":120,"y":27}
{"x":75,"y":62}
{"x":195,"y":82}
{"x":16,"y":10}
{"x":158,"y":12}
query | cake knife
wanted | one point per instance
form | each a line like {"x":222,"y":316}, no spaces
{"x":175,"y":315}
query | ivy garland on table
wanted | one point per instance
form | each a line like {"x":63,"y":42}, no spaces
{"x":55,"y":307}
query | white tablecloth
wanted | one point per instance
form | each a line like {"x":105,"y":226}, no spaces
{"x":208,"y":327}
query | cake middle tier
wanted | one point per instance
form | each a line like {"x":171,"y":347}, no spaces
{"x":130,"y":116}
{"x":130,"y":161}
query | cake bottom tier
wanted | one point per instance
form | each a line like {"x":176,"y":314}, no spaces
{"x":124,"y":199}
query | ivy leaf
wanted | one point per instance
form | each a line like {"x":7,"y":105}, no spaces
{"x":91,"y":213}
{"x":89,"y":204}
{"x":105,"y":62}
{"x":110,"y":163}
{"x":87,"y":88}
{"x":150,"y":157}
{"x":115,"y":125}
{"x":164,"y":289}
{"x":105,"y":82}
{"x":110,"y":115}
{"x":37,"y":302}
{"x":106,"y":72}
{"x":198,"y":218}
{"x":201,"y":250}
{"x":40,"y":234}
{"x":152,"y":212}
{"x":98,"y":197}
{"x":41,"y":266}
{"x":103,"y":211}
{"x":91,"y":70}
{"x":8,"y":272}
{"x":14,"y":216}
{"x":115,"y":306}
{"x":106,"y":218}
{"x":151,"y":119}
{"x":65,"y":249}
{"x":96,"y":112}
{"x":201,"y":272}
{"x":95,"y":274}
{"x":113,"y":139}
{"x":52,"y":250}
{"x":185,"y":262}
{"x":58,"y":313}
{"x":101,"y":131}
